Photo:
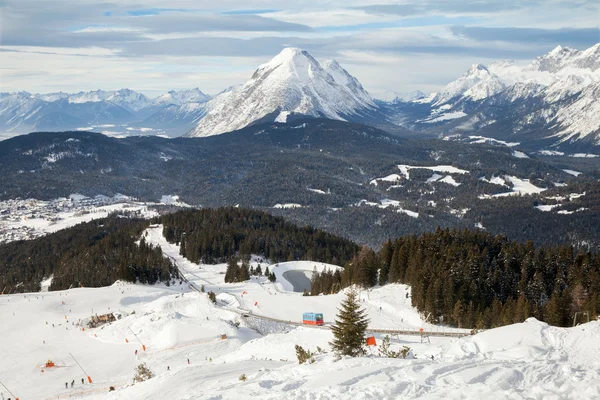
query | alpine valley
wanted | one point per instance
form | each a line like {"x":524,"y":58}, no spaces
{"x":260,"y":242}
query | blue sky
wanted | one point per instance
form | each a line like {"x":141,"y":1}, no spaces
{"x":401,"y":46}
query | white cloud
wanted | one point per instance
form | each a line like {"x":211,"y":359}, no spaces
{"x":76,"y":45}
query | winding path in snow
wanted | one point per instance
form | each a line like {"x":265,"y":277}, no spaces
{"x":184,"y":267}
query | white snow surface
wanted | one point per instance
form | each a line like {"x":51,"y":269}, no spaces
{"x":483,"y":139}
{"x":565,"y":80}
{"x":584,"y":155}
{"x":292,"y":82}
{"x":126,"y":98}
{"x":394,"y":204}
{"x":520,"y":186}
{"x":496,"y":180}
{"x":394,"y":97}
{"x":449,"y":169}
{"x":449,"y":180}
{"x":520,"y":154}
{"x":477,"y":83}
{"x":287,"y":205}
{"x":445,"y":117}
{"x":179,"y":97}
{"x":547,"y":208}
{"x":526,"y":360}
{"x":572,"y":172}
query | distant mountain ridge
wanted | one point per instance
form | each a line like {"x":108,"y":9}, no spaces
{"x":549,"y":103}
{"x":24,"y":112}
{"x":553,"y":100}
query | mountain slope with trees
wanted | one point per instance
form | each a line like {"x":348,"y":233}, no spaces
{"x":327,"y":167}
{"x":474,"y":279}
{"x":91,"y":254}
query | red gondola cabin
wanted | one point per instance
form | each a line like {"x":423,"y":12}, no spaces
{"x":312,"y":318}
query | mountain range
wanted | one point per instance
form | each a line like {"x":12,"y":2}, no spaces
{"x":551,"y":101}
{"x":548,"y":103}
{"x":132,"y":112}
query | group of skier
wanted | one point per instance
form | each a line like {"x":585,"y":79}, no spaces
{"x":73,"y":383}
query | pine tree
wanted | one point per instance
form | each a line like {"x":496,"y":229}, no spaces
{"x":243,"y":273}
{"x":350,"y":326}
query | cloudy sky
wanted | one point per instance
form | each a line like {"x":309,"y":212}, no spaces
{"x":73,"y":45}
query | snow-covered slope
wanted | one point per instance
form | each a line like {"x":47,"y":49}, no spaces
{"x":18,"y":110}
{"x":182,"y":330}
{"x":293,"y":82}
{"x":174,"y":115}
{"x":395,"y":97}
{"x":555,"y":96}
{"x":179,"y":97}
{"x":126,"y":98}
{"x":477,"y":83}
{"x":582,"y":117}
{"x":23,"y":112}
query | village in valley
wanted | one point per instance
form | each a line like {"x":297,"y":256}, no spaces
{"x":26,"y":219}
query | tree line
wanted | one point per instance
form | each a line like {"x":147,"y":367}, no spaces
{"x":91,"y":254}
{"x":476,"y":280}
{"x":217,"y":235}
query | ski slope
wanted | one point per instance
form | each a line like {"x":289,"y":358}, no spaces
{"x":388,"y":307}
{"x":529,"y":360}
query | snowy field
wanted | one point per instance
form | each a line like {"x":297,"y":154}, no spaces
{"x":529,"y":360}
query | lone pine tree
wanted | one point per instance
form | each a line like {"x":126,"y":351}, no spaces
{"x":350,"y":326}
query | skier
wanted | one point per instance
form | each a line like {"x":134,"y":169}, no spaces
{"x":168,"y":368}
{"x":72,"y":383}
{"x":66,"y":385}
{"x":82,"y":381}
{"x":136,"y":352}
{"x":188,"y":361}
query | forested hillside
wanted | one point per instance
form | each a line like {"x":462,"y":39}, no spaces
{"x":91,"y":254}
{"x":216,"y":235}
{"x":473,"y":279}
{"x":344,"y":178}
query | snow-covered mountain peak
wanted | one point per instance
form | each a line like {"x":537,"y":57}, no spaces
{"x":477,"y":69}
{"x":343,"y":78}
{"x":179,"y":97}
{"x":128,"y":99}
{"x":395,"y":97}
{"x":293,"y":82}
{"x":500,"y":65}
{"x":291,"y":63}
{"x":50,"y":97}
{"x":589,"y":58}
{"x":555,"y":60}
{"x":21,"y":94}
{"x":477,"y":82}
